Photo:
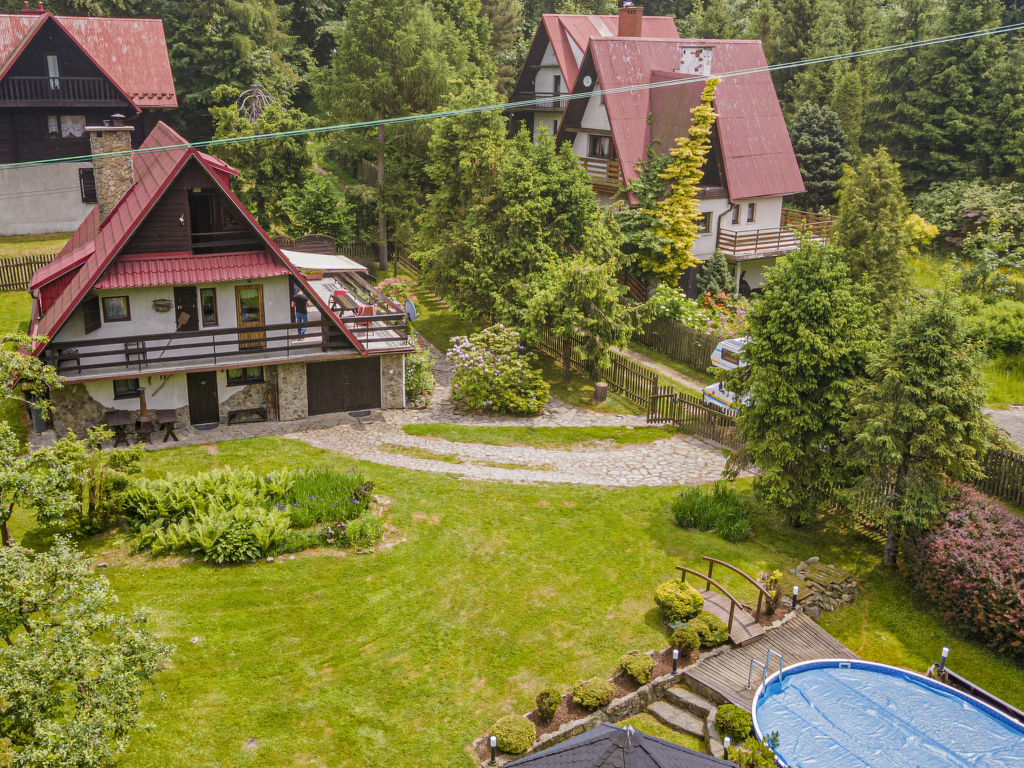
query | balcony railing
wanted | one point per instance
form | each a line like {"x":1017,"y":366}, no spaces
{"x":231,"y":347}
{"x":747,"y":244}
{"x":69,"y":90}
{"x":604,"y":174}
{"x":223,"y":242}
{"x":547,"y":101}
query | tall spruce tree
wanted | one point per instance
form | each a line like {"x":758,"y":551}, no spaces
{"x":918,"y":423}
{"x":714,"y":275}
{"x":642,"y":245}
{"x":847,"y":101}
{"x":810,"y":333}
{"x":872,"y":227}
{"x":820,"y":147}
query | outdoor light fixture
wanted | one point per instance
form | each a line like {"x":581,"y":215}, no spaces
{"x":796,"y":591}
{"x":942,"y":661}
{"x":494,"y":747}
{"x":675,"y":660}
{"x":725,"y":743}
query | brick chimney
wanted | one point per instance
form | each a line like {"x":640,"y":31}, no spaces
{"x":631,"y":19}
{"x":114,"y":174}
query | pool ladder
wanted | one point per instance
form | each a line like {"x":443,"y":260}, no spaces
{"x":763,"y":667}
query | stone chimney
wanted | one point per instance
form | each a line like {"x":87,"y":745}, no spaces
{"x":114,"y":174}
{"x":631,"y":19}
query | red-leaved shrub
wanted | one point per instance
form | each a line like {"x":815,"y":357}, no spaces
{"x":972,"y":567}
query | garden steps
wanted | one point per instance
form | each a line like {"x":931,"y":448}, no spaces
{"x":681,"y":720}
{"x":685,"y":699}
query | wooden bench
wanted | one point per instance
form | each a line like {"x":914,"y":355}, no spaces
{"x":247,"y":415}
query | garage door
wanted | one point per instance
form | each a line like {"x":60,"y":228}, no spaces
{"x":343,"y":385}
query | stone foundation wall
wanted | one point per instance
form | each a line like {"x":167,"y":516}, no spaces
{"x":392,"y":381}
{"x":292,"y":401}
{"x":74,"y":409}
{"x":249,"y":396}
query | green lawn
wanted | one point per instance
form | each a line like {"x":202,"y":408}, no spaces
{"x":650,"y":726}
{"x":1004,"y":379}
{"x":540,"y":437}
{"x":25,"y":245}
{"x":401,"y":658}
{"x":670,"y":362}
{"x":928,"y":272}
{"x":14,"y":315}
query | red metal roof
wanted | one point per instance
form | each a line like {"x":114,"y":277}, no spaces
{"x":185,"y":269}
{"x":131,"y":52}
{"x":64,"y":263}
{"x":756,"y":150}
{"x":155,"y":170}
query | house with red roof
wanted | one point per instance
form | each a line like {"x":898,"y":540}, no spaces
{"x":59,"y":74}
{"x":170,"y":304}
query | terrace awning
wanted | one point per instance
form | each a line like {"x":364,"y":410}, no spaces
{"x":321,"y":262}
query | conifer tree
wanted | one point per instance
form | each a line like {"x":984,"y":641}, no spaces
{"x":810,"y":333}
{"x":678,"y":214}
{"x":714,"y":275}
{"x":642,"y":245}
{"x":918,"y":423}
{"x":820,"y":148}
{"x":872,"y":226}
{"x":848,"y":103}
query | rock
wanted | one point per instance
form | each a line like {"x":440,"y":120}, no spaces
{"x":814,"y":612}
{"x":102,"y":565}
{"x":291,"y":557}
{"x":194,"y":641}
{"x":270,"y":559}
{"x":812,"y":560}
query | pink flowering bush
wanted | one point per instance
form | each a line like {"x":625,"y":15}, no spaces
{"x":726,"y":314}
{"x":492,"y":371}
{"x":972,"y":567}
{"x":398,"y":288}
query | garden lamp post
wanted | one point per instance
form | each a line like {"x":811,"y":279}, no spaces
{"x":675,"y":660}
{"x":494,"y":747}
{"x":796,"y":592}
{"x":725,"y":744}
{"x":942,"y":660}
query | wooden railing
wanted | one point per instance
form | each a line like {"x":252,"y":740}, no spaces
{"x":624,"y":376}
{"x":16,"y":272}
{"x":78,"y":90}
{"x":733,"y":602}
{"x":547,"y":101}
{"x":763,"y":595}
{"x":742,"y":244}
{"x":689,"y":412}
{"x":604,"y":173}
{"x":217,"y":242}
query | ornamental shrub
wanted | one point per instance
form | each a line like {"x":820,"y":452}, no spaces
{"x":592,"y":693}
{"x":419,"y":375}
{"x":711,"y":630}
{"x":1000,"y":324}
{"x":364,"y":531}
{"x":547,"y":704}
{"x":678,"y":601}
{"x":515,"y":734}
{"x":400,"y":289}
{"x":971,"y":566}
{"x":492,"y":371}
{"x":716,"y":313}
{"x":734,"y":722}
{"x":686,"y":639}
{"x":720,"y":509}
{"x":638,"y":665}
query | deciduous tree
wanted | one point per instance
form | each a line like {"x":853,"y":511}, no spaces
{"x":318,"y":206}
{"x":918,"y":422}
{"x":809,"y":339}
{"x":72,"y":669}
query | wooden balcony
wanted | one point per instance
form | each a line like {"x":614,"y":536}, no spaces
{"x":225,"y":242}
{"x":59,"y":91}
{"x":748,"y":244}
{"x":547,"y":101}
{"x":605,"y":174}
{"x":89,"y":359}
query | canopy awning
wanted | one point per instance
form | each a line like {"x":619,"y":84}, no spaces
{"x":321,"y":262}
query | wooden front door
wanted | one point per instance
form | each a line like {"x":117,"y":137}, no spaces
{"x":186,"y":308}
{"x":249,"y":310}
{"x":203,"y":407}
{"x":343,"y":385}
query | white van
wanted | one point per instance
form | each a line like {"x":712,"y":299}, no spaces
{"x":727,"y":356}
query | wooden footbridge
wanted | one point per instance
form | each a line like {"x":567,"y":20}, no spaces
{"x":744,"y":625}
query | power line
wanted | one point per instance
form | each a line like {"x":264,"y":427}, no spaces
{"x":504,"y":106}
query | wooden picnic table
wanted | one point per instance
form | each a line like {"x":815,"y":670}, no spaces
{"x":118,"y":421}
{"x":167,"y":418}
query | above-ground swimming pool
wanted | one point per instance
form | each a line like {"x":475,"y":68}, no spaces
{"x":835,"y":713}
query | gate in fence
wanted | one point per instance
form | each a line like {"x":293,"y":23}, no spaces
{"x":689,"y":413}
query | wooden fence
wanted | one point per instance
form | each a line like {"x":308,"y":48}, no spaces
{"x":689,"y":412}
{"x":368,"y":255}
{"x":672,"y":338}
{"x":16,"y":272}
{"x":1004,"y":475}
{"x":624,"y":376}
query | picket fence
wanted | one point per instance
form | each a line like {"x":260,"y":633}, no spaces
{"x":672,"y":338}
{"x":16,"y":272}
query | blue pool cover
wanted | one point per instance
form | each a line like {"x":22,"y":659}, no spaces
{"x":856,"y":714}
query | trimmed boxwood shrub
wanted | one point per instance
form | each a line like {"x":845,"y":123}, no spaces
{"x":547,"y":704}
{"x":733,"y":722}
{"x":710,"y":629}
{"x":638,"y":665}
{"x":686,"y":639}
{"x":515,"y":734}
{"x":592,"y":693}
{"x":972,"y":567}
{"x":678,"y":601}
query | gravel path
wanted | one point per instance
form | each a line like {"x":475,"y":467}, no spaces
{"x":1011,"y":421}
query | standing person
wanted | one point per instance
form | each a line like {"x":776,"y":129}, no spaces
{"x":300,"y":304}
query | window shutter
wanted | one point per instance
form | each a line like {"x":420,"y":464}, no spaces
{"x":91,"y":310}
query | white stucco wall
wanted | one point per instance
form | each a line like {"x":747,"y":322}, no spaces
{"x":161,"y":392}
{"x":40,"y":199}
{"x":595,"y":116}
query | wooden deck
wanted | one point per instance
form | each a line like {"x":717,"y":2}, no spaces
{"x":745,"y":628}
{"x":723,"y":675}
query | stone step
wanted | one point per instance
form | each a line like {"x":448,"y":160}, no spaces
{"x":686,"y":699}
{"x":678,"y":719}
{"x":712,"y":738}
